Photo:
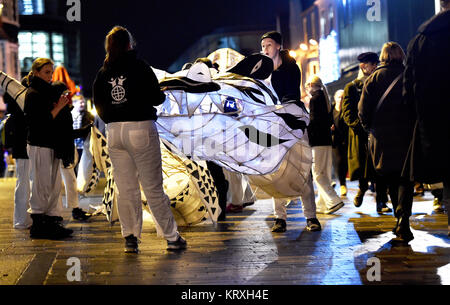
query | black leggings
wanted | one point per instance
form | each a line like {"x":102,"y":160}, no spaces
{"x":401,"y":191}
{"x":340,"y":163}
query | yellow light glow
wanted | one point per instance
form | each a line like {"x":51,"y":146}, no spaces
{"x":313,"y":42}
{"x":303,"y":46}
{"x":293,"y":54}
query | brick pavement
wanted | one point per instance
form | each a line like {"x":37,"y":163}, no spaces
{"x":238,"y":251}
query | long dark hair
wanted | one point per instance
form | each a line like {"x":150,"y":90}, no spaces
{"x":117,"y":43}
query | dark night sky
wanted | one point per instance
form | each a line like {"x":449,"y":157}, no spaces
{"x":164,"y":29}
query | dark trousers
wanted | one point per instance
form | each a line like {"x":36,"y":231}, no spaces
{"x":340,"y":163}
{"x":221,"y":185}
{"x":401,"y":191}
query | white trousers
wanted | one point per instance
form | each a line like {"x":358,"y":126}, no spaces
{"x":308,"y":203}
{"x":46,"y":181}
{"x":70,"y":184}
{"x":239,"y":190}
{"x":321,"y":169}
{"x":22,"y":219}
{"x":135,"y":155}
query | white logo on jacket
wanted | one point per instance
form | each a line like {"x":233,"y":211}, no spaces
{"x":118,"y":92}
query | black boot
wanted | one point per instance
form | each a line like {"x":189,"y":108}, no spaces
{"x":403,"y":230}
{"x":358,"y":200}
{"x":38,"y":229}
{"x":56,"y":229}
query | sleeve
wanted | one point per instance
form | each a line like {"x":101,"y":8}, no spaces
{"x":98,"y":95}
{"x":349,"y":115}
{"x":157,"y":96}
{"x":293,"y":85}
{"x":366,"y":106}
{"x":409,"y":74}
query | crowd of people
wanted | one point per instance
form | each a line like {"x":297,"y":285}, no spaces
{"x":387,"y":129}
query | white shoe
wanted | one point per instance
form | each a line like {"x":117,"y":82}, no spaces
{"x":335,"y":208}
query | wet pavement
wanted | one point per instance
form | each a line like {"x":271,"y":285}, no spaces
{"x":353,"y":248}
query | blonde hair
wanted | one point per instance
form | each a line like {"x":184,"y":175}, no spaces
{"x":392,"y":52}
{"x":37,"y":66}
{"x":315,"y":81}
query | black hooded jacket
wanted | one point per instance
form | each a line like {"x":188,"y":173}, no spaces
{"x":127,"y":90}
{"x":286,"y":79}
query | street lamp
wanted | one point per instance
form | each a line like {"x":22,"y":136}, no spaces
{"x":304,"y":47}
{"x":313,"y":42}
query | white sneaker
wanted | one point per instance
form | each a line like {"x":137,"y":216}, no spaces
{"x":335,"y":208}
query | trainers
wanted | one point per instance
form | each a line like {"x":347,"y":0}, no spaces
{"x":279,"y":226}
{"x":131,"y":244}
{"x":313,"y":224}
{"x":343,"y":191}
{"x":179,"y":244}
{"x":334,"y":208}
{"x":231,"y":208}
{"x":79,"y":214}
{"x":246,"y":204}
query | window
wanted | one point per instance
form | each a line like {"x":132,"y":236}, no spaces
{"x":31,"y":7}
{"x":37,"y":44}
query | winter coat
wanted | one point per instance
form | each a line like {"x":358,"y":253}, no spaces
{"x":357,"y":136}
{"x":39,"y":100}
{"x":426,"y":85}
{"x":15,"y":129}
{"x":286,"y":79}
{"x":319,"y":128}
{"x":339,"y":136}
{"x":127,"y":90}
{"x":390,"y":128}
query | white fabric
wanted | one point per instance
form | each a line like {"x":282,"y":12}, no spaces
{"x":70,"y":184}
{"x":46,"y":181}
{"x":239,"y":190}
{"x":134,"y":150}
{"x":321,"y":169}
{"x":22,"y":219}
{"x":307,"y":199}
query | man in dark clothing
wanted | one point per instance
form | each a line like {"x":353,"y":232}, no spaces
{"x":285,"y":79}
{"x":426,"y":81}
{"x":358,"y":167}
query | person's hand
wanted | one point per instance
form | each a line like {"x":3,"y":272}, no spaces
{"x":332,"y":127}
{"x":62,"y":102}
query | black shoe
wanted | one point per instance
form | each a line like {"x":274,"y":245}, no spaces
{"x":48,"y":227}
{"x":279,"y":226}
{"x":79,"y":214}
{"x":179,"y":244}
{"x":131,"y":244}
{"x":383,"y":208}
{"x":313,"y":224}
{"x":246,"y":204}
{"x":403,"y":231}
{"x":358,"y":200}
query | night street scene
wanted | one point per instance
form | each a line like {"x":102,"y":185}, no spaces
{"x":224,"y":151}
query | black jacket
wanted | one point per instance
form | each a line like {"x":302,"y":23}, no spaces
{"x":339,"y":135}
{"x":319,"y":128}
{"x":127,"y":90}
{"x":286,"y":79}
{"x":39,"y":100}
{"x":391,"y":126}
{"x":15,"y":129}
{"x":426,"y":85}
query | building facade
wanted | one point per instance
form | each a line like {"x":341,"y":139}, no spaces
{"x":9,"y":48}
{"x":334,"y":32}
{"x":46,"y":32}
